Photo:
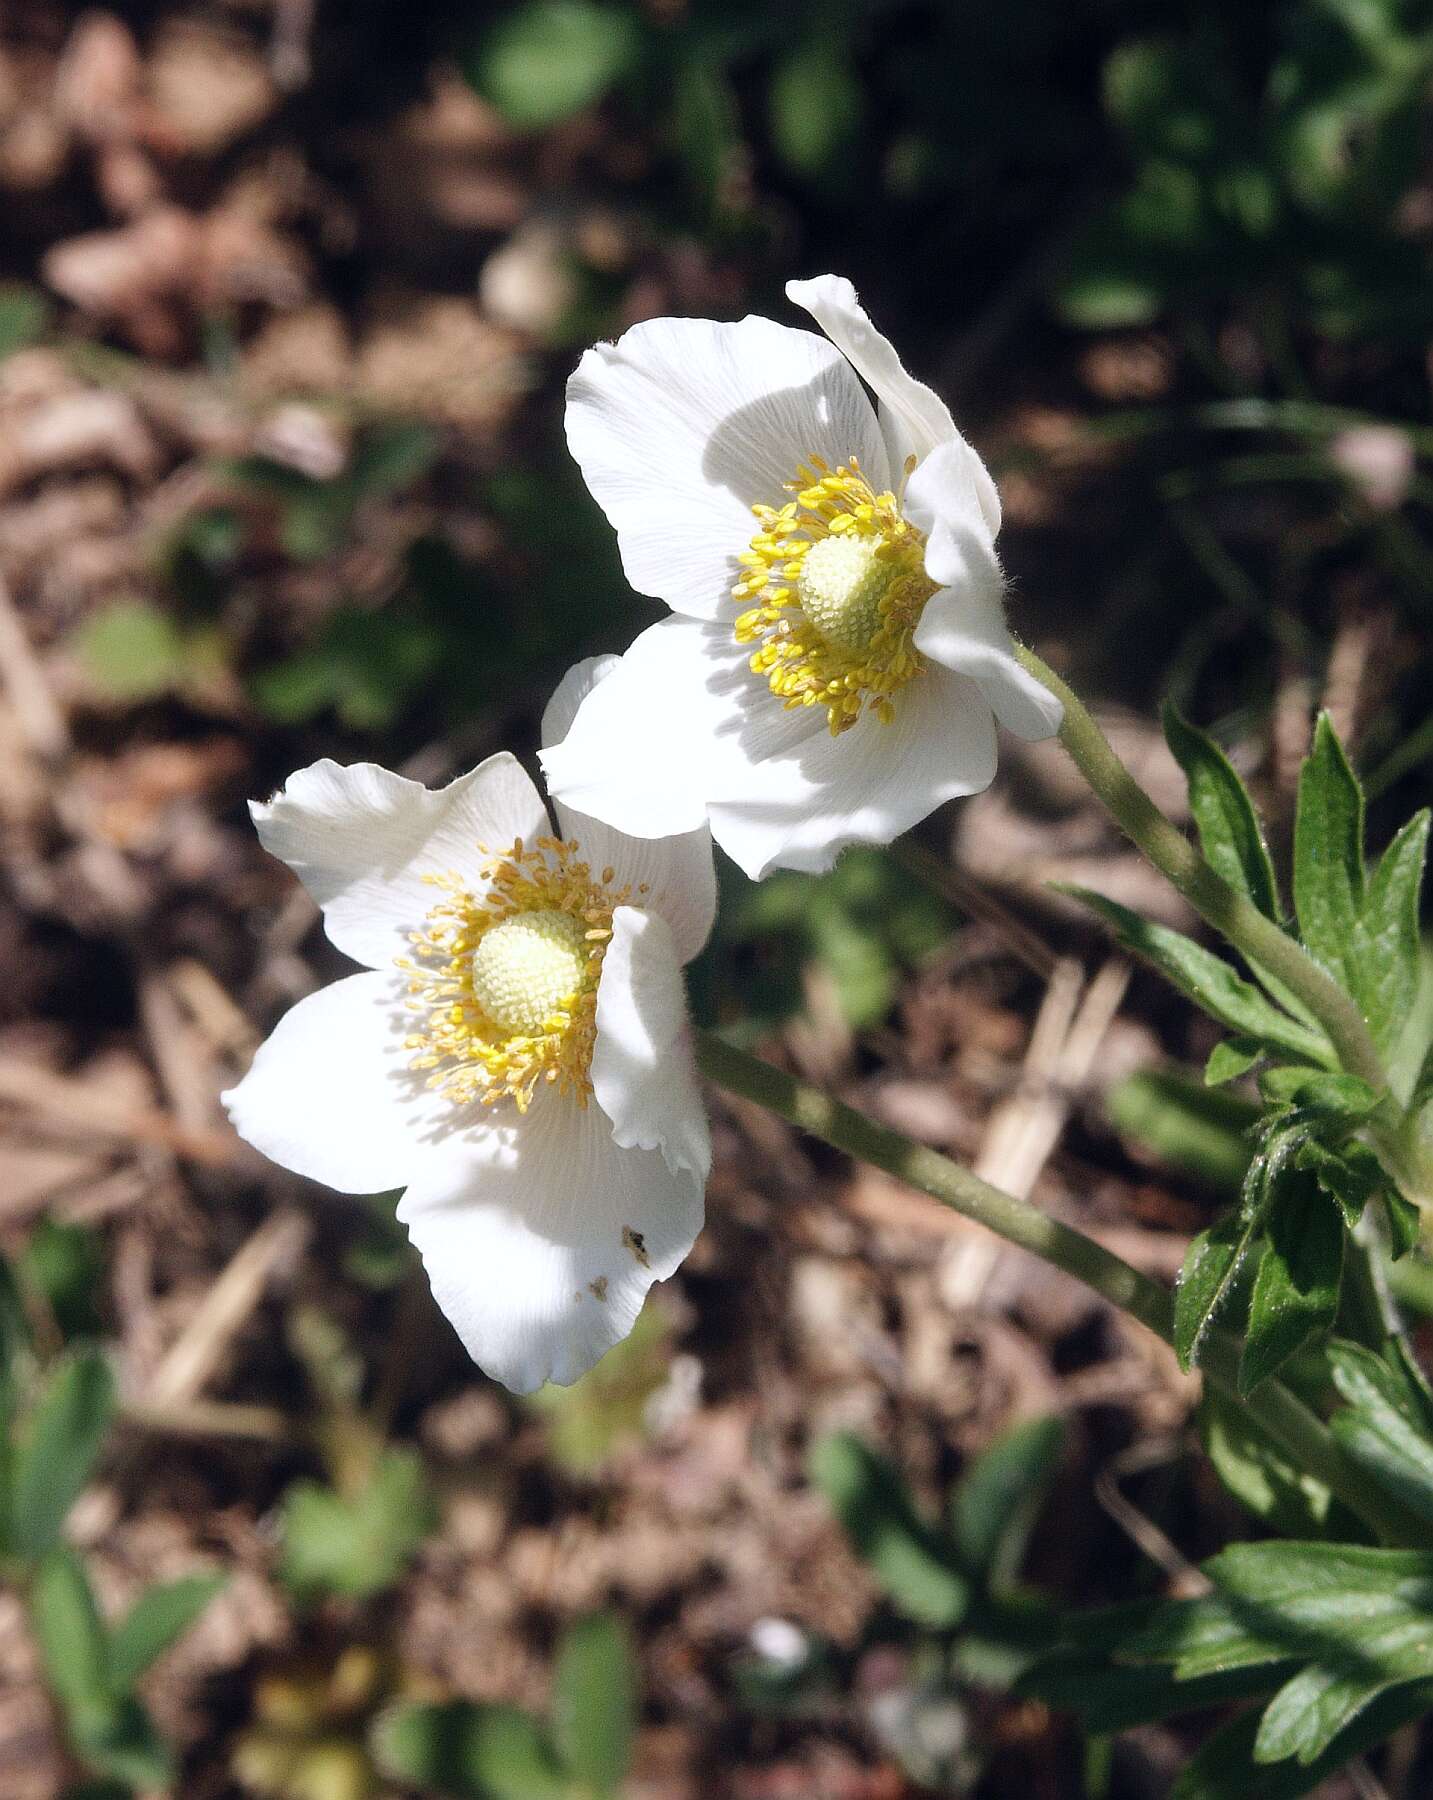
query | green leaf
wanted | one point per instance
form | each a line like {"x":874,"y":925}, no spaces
{"x":1385,"y":1427}
{"x":868,"y":1496}
{"x":69,"y":1631}
{"x":1319,"y":1094}
{"x":53,"y":1461}
{"x":815,"y":103}
{"x":392,"y":455}
{"x":1343,"y":1606}
{"x":132,"y":651}
{"x":1350,"y":1175}
{"x":1342,"y":1631}
{"x":24,"y":316}
{"x":1230,"y":1058}
{"x":1384,"y":953}
{"x":1212,"y":1265}
{"x":65,"y":1263}
{"x":1256,"y":1471}
{"x":548,"y":59}
{"x":1295,"y":1295}
{"x":997,"y":1499}
{"x":118,"y":1739}
{"x":1086,"y":1676}
{"x":1229,"y":831}
{"x":594,"y":1701}
{"x":471,"y":1752}
{"x":1108,"y":1696}
{"x":159,"y":1617}
{"x":366,"y":665}
{"x":1189,"y":1128}
{"x":1223,"y":1768}
{"x":14,"y":1350}
{"x":355,"y":1546}
{"x":706,"y":125}
{"x":1307,"y":1712}
{"x":589,"y":1423}
{"x":1328,"y":854}
{"x":1405,"y":1223}
{"x":1208,"y":980}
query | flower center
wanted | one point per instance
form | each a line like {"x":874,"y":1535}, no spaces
{"x":528,"y":968}
{"x":840,"y":576}
{"x":505,"y":981}
{"x":840,"y":586}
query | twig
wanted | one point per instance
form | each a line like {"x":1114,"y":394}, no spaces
{"x":80,"y":1109}
{"x":36,"y":708}
{"x":290,"y":57}
{"x":184,"y":1075}
{"x":1025,"y":1128}
{"x":977,"y":902}
{"x":211,"y":1418}
{"x":1139,"y":1459}
{"x":196,"y":1354}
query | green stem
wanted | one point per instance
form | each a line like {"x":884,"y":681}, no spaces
{"x":1017,"y":1221}
{"x":1285,"y":1419}
{"x":1220,"y":905}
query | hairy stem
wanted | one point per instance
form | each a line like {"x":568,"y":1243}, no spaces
{"x":1234,"y":917}
{"x":1282,"y":1416}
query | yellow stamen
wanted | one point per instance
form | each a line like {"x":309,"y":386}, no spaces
{"x":839,"y":577}
{"x":505,"y":980}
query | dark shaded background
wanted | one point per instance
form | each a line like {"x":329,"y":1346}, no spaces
{"x":290,"y":296}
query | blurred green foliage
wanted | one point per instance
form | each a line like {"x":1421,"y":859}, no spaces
{"x":544,"y":61}
{"x":356,"y":1544}
{"x":864,"y":927}
{"x":54,"y":1416}
{"x":1271,"y":148}
{"x":1199,"y":1131}
{"x":24,"y":316}
{"x":133,"y":650}
{"x":483,"y":1752}
{"x":968,"y":1622}
{"x":590,"y":1421}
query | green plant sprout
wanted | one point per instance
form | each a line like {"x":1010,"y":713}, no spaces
{"x":53,"y":1422}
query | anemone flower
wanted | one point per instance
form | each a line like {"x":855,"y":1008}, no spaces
{"x":838,"y":653}
{"x":515,"y":1055}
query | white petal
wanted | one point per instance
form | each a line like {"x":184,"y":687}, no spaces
{"x":674,"y":877}
{"x":963,"y":628}
{"x":637,"y":752}
{"x":800,"y":809}
{"x":676,"y":874}
{"x":642,"y":1069}
{"x":330,"y":1094}
{"x":361,"y":839}
{"x":682,"y":424}
{"x":570,"y":692}
{"x":920,"y":418}
{"x":541,"y":1237}
{"x":942,"y":499}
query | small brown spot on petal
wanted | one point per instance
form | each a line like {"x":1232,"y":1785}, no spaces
{"x":637,"y":1244}
{"x":599,"y":1288}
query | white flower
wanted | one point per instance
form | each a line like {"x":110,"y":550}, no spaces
{"x":515,"y":1055}
{"x":830,"y":676}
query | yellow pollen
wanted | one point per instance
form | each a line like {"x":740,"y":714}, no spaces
{"x":839,"y":576}
{"x":504,"y":980}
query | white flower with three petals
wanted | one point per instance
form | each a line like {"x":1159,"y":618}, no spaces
{"x":832,"y":675}
{"x":516,"y":1054}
